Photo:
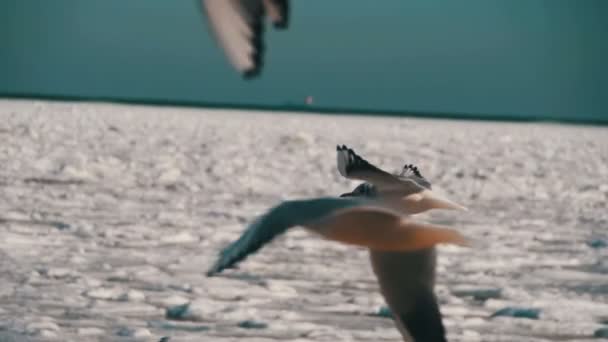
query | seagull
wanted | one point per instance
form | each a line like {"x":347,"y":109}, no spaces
{"x":354,"y":221}
{"x":408,"y":192}
{"x":406,"y":278}
{"x":402,"y":252}
{"x":238,"y":27}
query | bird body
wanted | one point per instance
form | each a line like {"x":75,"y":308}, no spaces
{"x":383,"y":230}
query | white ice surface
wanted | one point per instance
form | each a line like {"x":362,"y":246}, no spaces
{"x":109,"y":214}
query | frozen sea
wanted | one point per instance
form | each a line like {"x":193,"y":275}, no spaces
{"x":111,"y":214}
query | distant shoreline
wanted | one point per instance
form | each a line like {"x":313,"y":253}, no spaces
{"x":309,"y":109}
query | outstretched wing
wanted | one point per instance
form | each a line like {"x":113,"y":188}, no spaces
{"x":238,"y":27}
{"x":406,"y":281}
{"x":411,"y":171}
{"x":352,"y":166}
{"x":275,"y":222}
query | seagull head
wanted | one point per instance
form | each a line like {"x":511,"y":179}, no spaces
{"x":362,"y":190}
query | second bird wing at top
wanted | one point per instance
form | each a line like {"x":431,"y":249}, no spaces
{"x":409,"y":192}
{"x":353,"y":166}
{"x":238,"y":27}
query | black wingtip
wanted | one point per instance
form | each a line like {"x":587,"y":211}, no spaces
{"x":352,"y":157}
{"x":221,"y":265}
{"x":424,"y":322}
{"x":281,"y":25}
{"x":284,"y":9}
{"x":227,"y":259}
{"x":251,"y":73}
{"x":212,"y":272}
{"x":215,"y":269}
{"x":411,"y":167}
{"x":258,"y":50}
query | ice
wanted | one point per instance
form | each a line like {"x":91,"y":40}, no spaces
{"x":530,"y":313}
{"x":90,"y":331}
{"x":249,"y":324}
{"x":111,"y":214}
{"x":105,"y":293}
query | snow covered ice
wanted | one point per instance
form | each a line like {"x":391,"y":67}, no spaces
{"x":111,"y":214}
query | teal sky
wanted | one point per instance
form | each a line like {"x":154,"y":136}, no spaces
{"x":545,"y":58}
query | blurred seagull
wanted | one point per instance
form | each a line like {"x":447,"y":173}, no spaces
{"x":349,"y":220}
{"x":406,"y":278}
{"x":402,"y":251}
{"x":238,"y":27}
{"x":408,"y":192}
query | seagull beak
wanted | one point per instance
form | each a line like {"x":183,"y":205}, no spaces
{"x":435,"y":202}
{"x":421,"y":202}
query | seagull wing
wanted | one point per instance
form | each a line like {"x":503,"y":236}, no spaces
{"x":352,"y":166}
{"x":406,"y":281}
{"x":278,"y":11}
{"x":401,"y":252}
{"x":276,"y":222}
{"x":351,"y":221}
{"x":410,"y":171}
{"x":238,"y":27}
{"x":423,"y":322}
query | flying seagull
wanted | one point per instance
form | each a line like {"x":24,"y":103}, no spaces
{"x":348,"y":220}
{"x":238,"y":27}
{"x":402,"y":251}
{"x":406,"y":278}
{"x":408,"y":192}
